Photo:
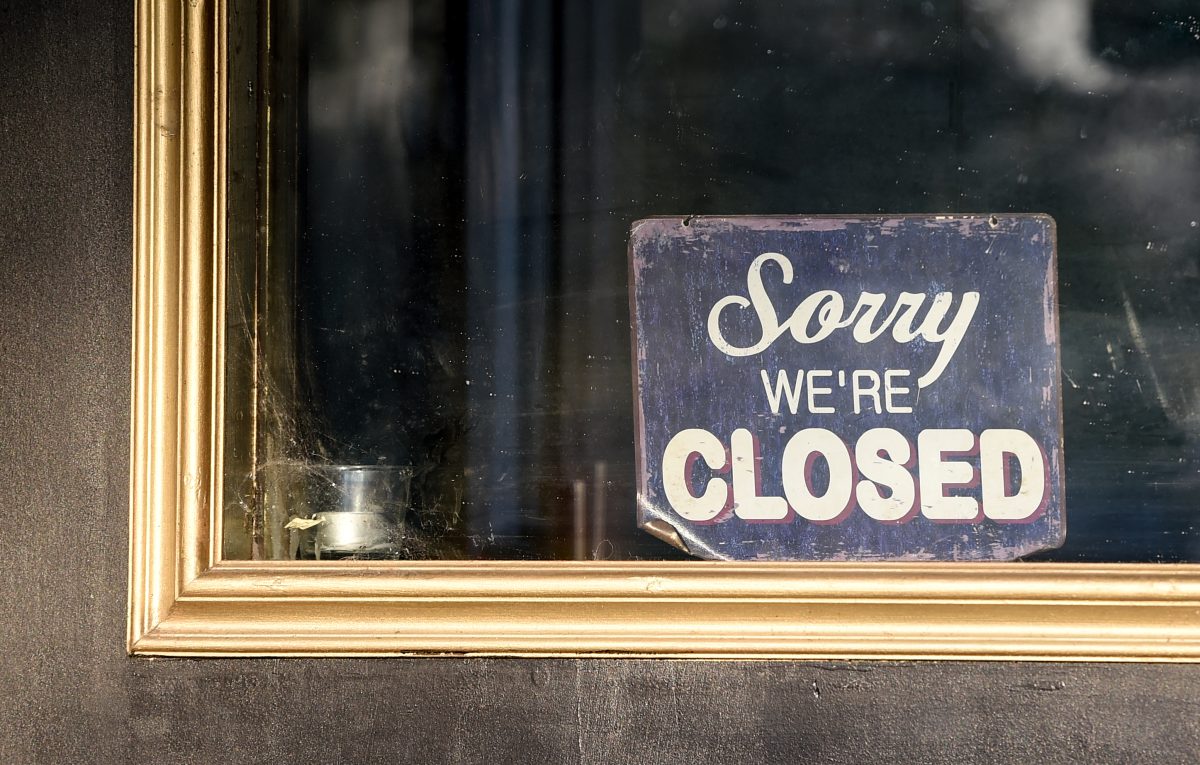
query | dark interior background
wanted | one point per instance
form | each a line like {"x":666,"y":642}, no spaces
{"x":468,"y":174}
{"x":71,"y":695}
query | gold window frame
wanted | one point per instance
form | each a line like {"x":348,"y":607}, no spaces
{"x":185,"y":600}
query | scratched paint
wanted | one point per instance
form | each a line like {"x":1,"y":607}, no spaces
{"x":765,"y":416}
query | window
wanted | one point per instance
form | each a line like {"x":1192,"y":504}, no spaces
{"x":434,"y":310}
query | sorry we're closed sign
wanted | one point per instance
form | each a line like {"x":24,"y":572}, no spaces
{"x":818,"y":388}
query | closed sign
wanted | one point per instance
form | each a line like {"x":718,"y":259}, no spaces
{"x":815,"y":388}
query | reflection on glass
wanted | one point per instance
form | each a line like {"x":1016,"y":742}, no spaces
{"x":466,"y":175}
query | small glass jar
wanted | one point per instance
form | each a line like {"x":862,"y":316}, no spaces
{"x":316,"y":512}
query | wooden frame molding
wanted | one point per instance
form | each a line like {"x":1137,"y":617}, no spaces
{"x":183,"y":600}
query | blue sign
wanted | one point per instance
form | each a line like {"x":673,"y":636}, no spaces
{"x":816,"y":388}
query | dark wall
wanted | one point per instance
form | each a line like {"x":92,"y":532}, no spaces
{"x":69,"y":694}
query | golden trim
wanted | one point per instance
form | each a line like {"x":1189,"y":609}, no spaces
{"x":183,"y":601}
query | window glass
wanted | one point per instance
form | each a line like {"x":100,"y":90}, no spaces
{"x":462,"y":177}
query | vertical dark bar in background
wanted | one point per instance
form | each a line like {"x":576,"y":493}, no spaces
{"x":600,"y":42}
{"x":510,"y":251}
{"x":493,"y":249}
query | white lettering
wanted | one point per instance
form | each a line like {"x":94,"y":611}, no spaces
{"x":936,"y":473}
{"x":889,"y":471}
{"x":678,"y":459}
{"x":815,"y":390}
{"x":783,"y":387}
{"x":878,"y":476}
{"x":748,"y":504}
{"x":995,"y":446}
{"x":798,"y":456}
{"x":890,"y":391}
{"x":827,"y":309}
{"x":860,"y":391}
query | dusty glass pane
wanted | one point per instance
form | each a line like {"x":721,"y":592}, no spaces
{"x":453,"y":187}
